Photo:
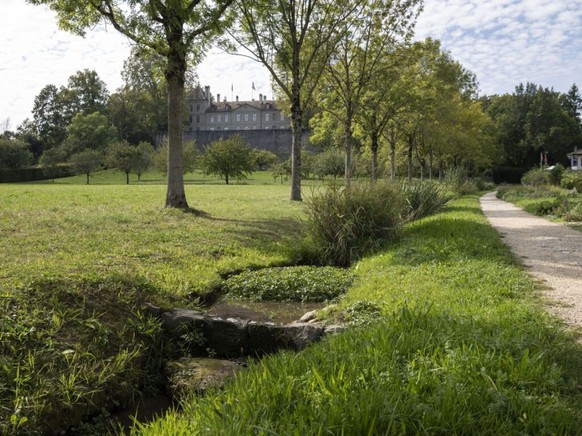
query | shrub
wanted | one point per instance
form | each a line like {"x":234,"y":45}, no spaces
{"x":459,"y":182}
{"x":342,"y":224}
{"x":556,"y":174}
{"x":536,"y":177}
{"x":572,"y":180}
{"x":301,"y":283}
{"x":423,"y":199}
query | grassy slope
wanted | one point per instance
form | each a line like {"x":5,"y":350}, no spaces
{"x":461,"y":348}
{"x":76,"y":263}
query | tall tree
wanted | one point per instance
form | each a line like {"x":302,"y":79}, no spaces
{"x":293,"y":39}
{"x":170,"y":28}
{"x":367,"y":38}
{"x":88,"y":92}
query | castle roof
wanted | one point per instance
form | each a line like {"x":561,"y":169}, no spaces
{"x":234,"y":105}
{"x":575,"y":153}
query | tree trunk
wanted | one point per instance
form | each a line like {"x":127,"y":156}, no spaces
{"x":127,"y":178}
{"x":430,"y":154}
{"x":87,"y":178}
{"x":226,"y":178}
{"x":176,"y":70}
{"x":410,"y":147}
{"x":374,"y":149}
{"x":392,"y":155}
{"x":348,"y":151}
{"x":296,"y":128}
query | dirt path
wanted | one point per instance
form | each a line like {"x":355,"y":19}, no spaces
{"x":549,"y":251}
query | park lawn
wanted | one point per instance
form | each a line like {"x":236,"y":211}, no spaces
{"x":77,"y":264}
{"x":61,"y":230}
{"x":448,"y":337}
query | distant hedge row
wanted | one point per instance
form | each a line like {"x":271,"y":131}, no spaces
{"x":32,"y":174}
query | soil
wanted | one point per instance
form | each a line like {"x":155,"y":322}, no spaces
{"x":551,"y":252}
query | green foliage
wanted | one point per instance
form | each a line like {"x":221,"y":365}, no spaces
{"x":264,"y":159}
{"x":190,"y":156}
{"x":87,"y":162}
{"x":89,"y":132}
{"x":423,"y":199}
{"x":301,"y":283}
{"x":572,"y":180}
{"x":536,"y":177}
{"x":546,"y":200}
{"x":467,"y":352}
{"x":343,"y":225}
{"x":458,"y":181}
{"x":69,"y":348}
{"x":14,"y":154}
{"x":228,"y":158}
{"x":329,"y":163}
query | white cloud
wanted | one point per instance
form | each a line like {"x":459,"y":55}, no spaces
{"x":504,"y":42}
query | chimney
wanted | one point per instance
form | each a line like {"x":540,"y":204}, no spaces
{"x":217,"y":98}
{"x":260,"y":98}
{"x":225,"y":99}
{"x":207,"y":92}
{"x":237,"y":98}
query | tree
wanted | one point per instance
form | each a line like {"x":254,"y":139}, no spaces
{"x":51,"y":160}
{"x":92,"y":131}
{"x":121,"y":156}
{"x":265,"y":159}
{"x":49,"y":116}
{"x":88,"y":92}
{"x":293,"y":39}
{"x":367,"y":40}
{"x":87,"y":162}
{"x":329,"y":163}
{"x":172,"y":29}
{"x":143,"y":159}
{"x":227,"y":158}
{"x":14,"y":153}
{"x":189,"y":158}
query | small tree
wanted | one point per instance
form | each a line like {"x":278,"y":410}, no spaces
{"x":143,"y":159}
{"x":50,"y":162}
{"x":189,"y":158}
{"x":329,"y":163}
{"x":228,"y":158}
{"x":87,"y":162}
{"x":121,"y":156}
{"x":264,"y":159}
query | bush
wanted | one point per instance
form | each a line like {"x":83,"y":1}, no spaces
{"x":342,"y":224}
{"x":459,"y":182}
{"x":536,"y":177}
{"x":556,"y":174}
{"x":572,"y":180}
{"x":423,"y":199}
{"x":301,"y":283}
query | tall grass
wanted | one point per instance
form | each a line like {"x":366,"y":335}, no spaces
{"x":461,"y":347}
{"x":345,"y":224}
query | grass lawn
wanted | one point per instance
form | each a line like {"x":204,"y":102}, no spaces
{"x":449,"y":338}
{"x":77,"y":263}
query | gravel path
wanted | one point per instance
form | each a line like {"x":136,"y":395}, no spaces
{"x":549,"y":251}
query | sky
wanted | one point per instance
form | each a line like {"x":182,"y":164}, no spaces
{"x":504,"y":42}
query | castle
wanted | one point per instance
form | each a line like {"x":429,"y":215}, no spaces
{"x":207,"y":114}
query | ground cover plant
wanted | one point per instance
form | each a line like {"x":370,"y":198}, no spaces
{"x":299,"y":283}
{"x":456,"y":344}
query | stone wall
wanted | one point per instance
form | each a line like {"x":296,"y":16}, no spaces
{"x":277,"y":141}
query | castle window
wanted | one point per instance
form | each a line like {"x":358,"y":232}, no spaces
{"x":219,"y":118}
{"x":275,"y":116}
{"x":197,"y":118}
{"x":226,"y":118}
{"x":574,"y":161}
{"x":211,"y":118}
{"x":246,"y":117}
{"x":254,"y":117}
{"x":267,"y":117}
{"x":197,"y":108}
{"x":238,"y":118}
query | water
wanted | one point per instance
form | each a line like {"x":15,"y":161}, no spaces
{"x":263,"y":311}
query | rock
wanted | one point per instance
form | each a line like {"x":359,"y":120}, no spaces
{"x":309,"y":316}
{"x":226,"y":337}
{"x":265,"y":338}
{"x":152,"y":310}
{"x":196,"y":375}
{"x":333,"y":329}
{"x":178,"y":320}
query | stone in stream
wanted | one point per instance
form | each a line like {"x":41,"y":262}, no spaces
{"x":196,"y":375}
